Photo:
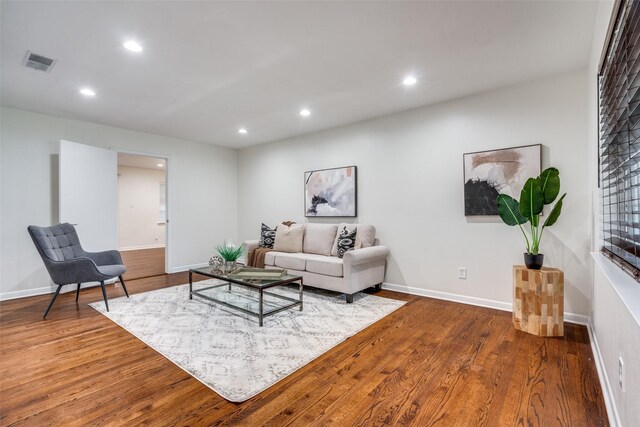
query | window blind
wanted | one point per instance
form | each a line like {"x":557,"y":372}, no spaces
{"x":619,"y":110}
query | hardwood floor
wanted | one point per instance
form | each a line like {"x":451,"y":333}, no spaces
{"x":143,"y":263}
{"x":429,"y":363}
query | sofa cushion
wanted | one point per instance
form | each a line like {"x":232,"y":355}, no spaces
{"x":291,"y":261}
{"x":270,"y":258}
{"x":289,"y":239}
{"x":327,"y":265}
{"x":365,"y":237}
{"x":319,"y":238}
{"x":267,"y":236}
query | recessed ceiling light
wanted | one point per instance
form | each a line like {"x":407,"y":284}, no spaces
{"x":87,"y":91}
{"x":133,"y":46}
{"x":409,"y":81}
{"x":242,"y":131}
{"x":305,"y":113}
{"x":160,"y":165}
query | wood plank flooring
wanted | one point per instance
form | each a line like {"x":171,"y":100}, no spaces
{"x":429,"y":363}
{"x":143,"y":263}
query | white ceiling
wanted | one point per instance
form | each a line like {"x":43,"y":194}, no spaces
{"x":209,"y":68}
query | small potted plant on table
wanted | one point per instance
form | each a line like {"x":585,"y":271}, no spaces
{"x":230,"y":254}
{"x":536,"y":193}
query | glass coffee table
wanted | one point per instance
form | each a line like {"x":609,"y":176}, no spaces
{"x":259,"y":303}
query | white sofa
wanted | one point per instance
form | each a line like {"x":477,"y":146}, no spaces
{"x":320,"y":267}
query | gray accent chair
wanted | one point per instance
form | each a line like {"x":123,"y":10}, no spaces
{"x":67,"y":263}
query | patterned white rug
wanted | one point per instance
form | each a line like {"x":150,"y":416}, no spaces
{"x":227,"y":350}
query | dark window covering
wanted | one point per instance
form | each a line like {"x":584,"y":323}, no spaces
{"x":619,"y":106}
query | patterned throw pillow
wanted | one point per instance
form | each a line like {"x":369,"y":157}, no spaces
{"x":267,"y":237}
{"x":346,"y":241}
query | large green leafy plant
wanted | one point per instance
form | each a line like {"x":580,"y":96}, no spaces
{"x":536,"y":193}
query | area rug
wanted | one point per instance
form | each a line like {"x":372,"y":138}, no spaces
{"x":227,"y":350}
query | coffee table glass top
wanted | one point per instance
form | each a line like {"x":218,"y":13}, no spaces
{"x":257,"y":283}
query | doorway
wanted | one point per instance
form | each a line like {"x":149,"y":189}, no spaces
{"x":142,"y":214}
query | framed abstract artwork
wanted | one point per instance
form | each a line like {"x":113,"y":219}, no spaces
{"x":490,"y":173}
{"x":330,"y":192}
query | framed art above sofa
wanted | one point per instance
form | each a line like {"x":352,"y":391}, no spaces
{"x":331,"y":192}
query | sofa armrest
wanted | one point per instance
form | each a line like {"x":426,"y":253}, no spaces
{"x":364,"y":255}
{"x":250,"y":245}
{"x":105,"y":258}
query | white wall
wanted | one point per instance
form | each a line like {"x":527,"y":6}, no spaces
{"x":615,"y":310}
{"x":616,"y":302}
{"x":201,"y":181}
{"x":139,"y":222}
{"x":410,"y":186}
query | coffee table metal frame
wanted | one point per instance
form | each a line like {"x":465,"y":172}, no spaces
{"x":260,"y":287}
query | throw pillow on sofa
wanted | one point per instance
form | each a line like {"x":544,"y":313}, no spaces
{"x":365,"y":236}
{"x":267,"y":236}
{"x":346,"y":241}
{"x":289,"y":238}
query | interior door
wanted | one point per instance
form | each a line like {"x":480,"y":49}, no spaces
{"x":89,"y":194}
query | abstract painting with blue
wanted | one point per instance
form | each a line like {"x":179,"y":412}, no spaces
{"x":330,"y":192}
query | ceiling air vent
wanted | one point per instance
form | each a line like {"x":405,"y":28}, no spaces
{"x":38,"y":62}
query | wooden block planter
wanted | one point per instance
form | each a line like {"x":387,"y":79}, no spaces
{"x":538,"y":301}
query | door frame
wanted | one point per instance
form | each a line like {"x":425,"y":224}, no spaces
{"x":167,"y":225}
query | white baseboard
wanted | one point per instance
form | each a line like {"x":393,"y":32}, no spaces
{"x":578,"y":319}
{"x":605,"y":384}
{"x":187,"y":267}
{"x":5,"y":296}
{"x":498,"y":305}
{"x":464,"y":299}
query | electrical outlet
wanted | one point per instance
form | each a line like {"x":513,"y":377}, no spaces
{"x":462,"y":272}
{"x":621,"y":372}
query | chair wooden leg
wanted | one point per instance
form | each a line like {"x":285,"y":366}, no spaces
{"x":123,"y":286}
{"x":55,"y":295}
{"x":104,"y":295}
{"x":77,"y":292}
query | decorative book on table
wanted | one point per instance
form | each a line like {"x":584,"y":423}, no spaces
{"x":252,"y":273}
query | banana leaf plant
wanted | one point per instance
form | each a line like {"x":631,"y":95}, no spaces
{"x":536,"y":193}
